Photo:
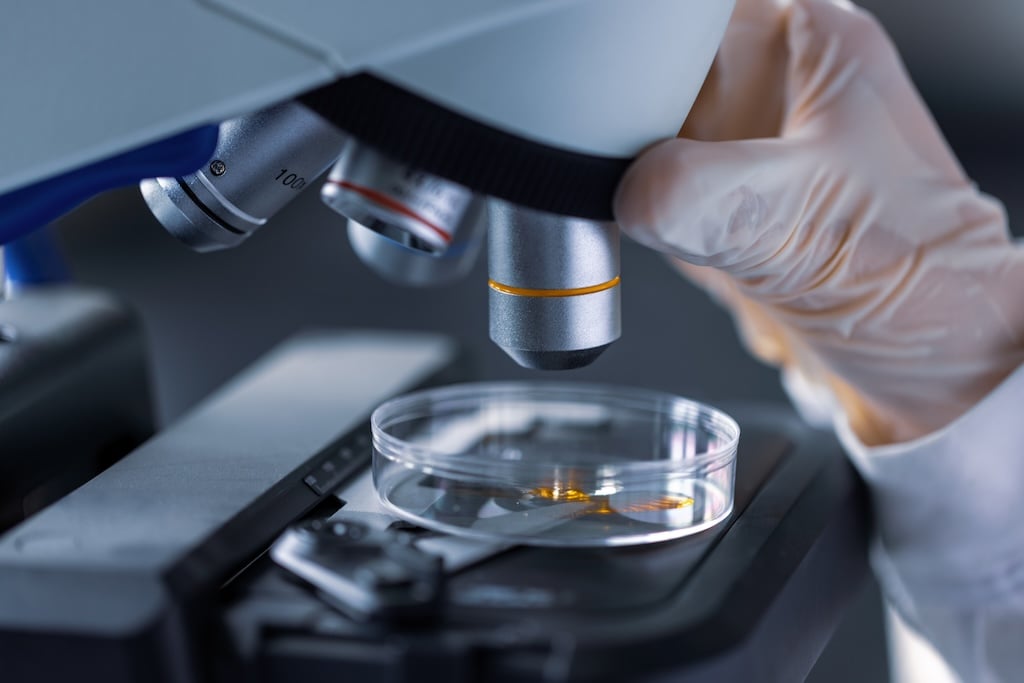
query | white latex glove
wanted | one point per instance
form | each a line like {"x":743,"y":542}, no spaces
{"x":812,"y":193}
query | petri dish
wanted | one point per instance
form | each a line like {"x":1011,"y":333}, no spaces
{"x":555,"y":464}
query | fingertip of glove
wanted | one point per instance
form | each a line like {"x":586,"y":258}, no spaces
{"x":645,"y":192}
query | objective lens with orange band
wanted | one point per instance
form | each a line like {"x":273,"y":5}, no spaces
{"x":554,"y":286}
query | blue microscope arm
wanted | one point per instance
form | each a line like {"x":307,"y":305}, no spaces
{"x":30,"y":256}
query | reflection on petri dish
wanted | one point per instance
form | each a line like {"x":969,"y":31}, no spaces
{"x":555,"y":464}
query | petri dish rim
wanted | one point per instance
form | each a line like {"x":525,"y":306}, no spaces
{"x":397,"y":410}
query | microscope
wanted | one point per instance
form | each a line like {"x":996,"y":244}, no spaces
{"x":512,"y":118}
{"x":425,"y":156}
{"x":431,"y":129}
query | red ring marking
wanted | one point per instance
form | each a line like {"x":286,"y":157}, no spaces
{"x":389,"y":203}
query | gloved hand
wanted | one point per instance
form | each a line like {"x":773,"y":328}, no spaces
{"x":814,"y":196}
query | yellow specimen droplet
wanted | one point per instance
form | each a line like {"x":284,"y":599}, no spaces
{"x":601,"y":505}
{"x":663,"y":504}
{"x":561,"y":494}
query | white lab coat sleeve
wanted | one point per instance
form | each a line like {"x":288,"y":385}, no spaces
{"x":949,"y":514}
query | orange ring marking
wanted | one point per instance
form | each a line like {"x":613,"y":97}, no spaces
{"x":553,"y":293}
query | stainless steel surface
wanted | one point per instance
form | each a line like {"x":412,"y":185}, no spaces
{"x":378,"y":192}
{"x":181,"y":216}
{"x":392,"y":255}
{"x":539,"y":250}
{"x":261,"y":163}
{"x":555,"y":333}
{"x":542,"y":268}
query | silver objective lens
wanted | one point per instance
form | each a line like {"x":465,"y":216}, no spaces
{"x":554,"y":287}
{"x":262,"y":162}
{"x":392,"y":198}
{"x":398,"y":257}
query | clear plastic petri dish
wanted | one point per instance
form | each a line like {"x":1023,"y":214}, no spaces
{"x":555,"y":464}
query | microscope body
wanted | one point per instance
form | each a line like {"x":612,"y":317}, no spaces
{"x":442,"y":117}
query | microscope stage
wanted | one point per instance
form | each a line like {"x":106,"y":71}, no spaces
{"x":158,"y":565}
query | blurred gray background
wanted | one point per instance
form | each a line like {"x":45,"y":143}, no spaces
{"x":208,"y":316}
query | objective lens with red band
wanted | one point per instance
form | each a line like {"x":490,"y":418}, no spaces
{"x":395,"y":200}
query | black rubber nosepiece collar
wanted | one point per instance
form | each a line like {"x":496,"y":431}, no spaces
{"x":430,"y":137}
